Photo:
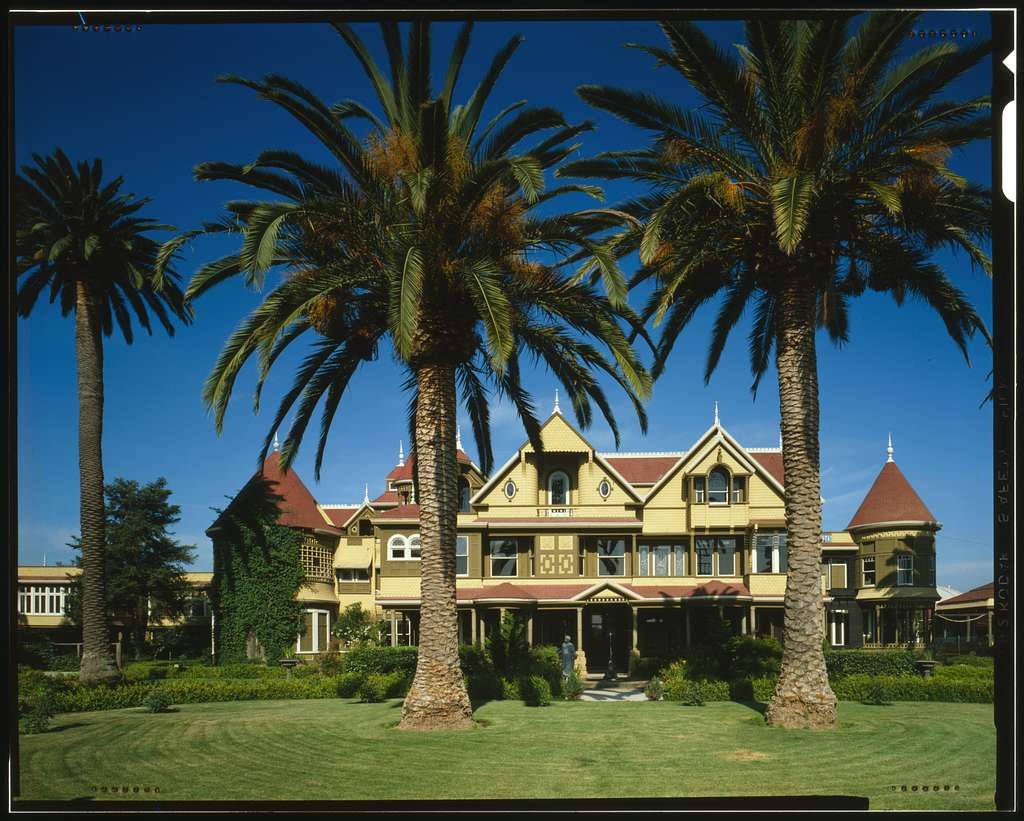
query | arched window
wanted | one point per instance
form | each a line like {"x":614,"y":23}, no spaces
{"x":463,"y":496}
{"x":558,"y":488}
{"x":718,"y":486}
{"x":401,"y":548}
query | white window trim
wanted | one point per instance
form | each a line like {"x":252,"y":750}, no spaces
{"x":728,"y":485}
{"x":700,"y":493}
{"x":874,"y":571}
{"x":515,"y":489}
{"x":353,"y":570}
{"x":738,"y":496}
{"x":315,"y":638}
{"x":837,"y":563}
{"x":696,"y":556}
{"x":463,"y":540}
{"x":406,"y":548}
{"x":44,"y":592}
{"x":568,"y":489}
{"x":612,"y":556}
{"x":833,"y":621}
{"x":604,"y":483}
{"x":899,"y":558}
{"x":735,"y":556}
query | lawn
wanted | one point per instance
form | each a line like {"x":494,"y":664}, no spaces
{"x":332,"y":749}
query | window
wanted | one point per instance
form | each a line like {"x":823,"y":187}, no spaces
{"x":406,"y":629}
{"x":504,"y":555}
{"x":836,"y":574}
{"x":727,"y":557}
{"x":718,"y":487}
{"x":365,"y":527}
{"x":611,"y":556}
{"x":738,"y":489}
{"x":705,"y":553}
{"x":509,"y":489}
{"x":353,"y":574}
{"x":837,"y":627}
{"x":462,"y":555}
{"x":698,"y":490}
{"x":680,"y":560}
{"x":463,"y":496}
{"x":663,"y":559}
{"x":315,"y":638}
{"x":770,"y":553}
{"x":317,"y":559}
{"x":401,"y":548}
{"x":868,"y":570}
{"x":604,"y":488}
{"x":558,"y":488}
{"x":904,"y":569}
{"x":42,"y":599}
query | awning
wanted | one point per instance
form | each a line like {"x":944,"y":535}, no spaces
{"x":353,"y":556}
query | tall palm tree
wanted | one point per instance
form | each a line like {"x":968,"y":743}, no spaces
{"x":815,"y":168}
{"x":426,"y":237}
{"x":82,"y":241}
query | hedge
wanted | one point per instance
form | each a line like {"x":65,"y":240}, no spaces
{"x":963,"y":672}
{"x":915,"y":688}
{"x":843,"y":663}
{"x":380,"y":660}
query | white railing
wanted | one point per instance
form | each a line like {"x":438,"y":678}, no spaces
{"x":559,"y":512}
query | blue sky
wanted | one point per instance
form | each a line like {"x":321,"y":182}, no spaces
{"x":147,"y":103}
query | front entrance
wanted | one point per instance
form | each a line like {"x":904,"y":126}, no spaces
{"x":607,"y":630}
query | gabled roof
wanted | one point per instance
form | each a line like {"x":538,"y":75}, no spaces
{"x":339,"y":515}
{"x":400,"y":512}
{"x":388,"y":497}
{"x":891,"y":500}
{"x":771,"y":461}
{"x":297,"y":506}
{"x":641,"y":468}
{"x":406,"y":472}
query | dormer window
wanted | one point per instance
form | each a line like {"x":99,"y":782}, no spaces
{"x":558,"y":489}
{"x":718,"y":487}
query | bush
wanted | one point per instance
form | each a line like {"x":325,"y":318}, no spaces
{"x":36,"y":701}
{"x":741,"y":689}
{"x":509,"y":690}
{"x":380,"y":660}
{"x":158,"y":700}
{"x":474,"y":660}
{"x":964,"y":672}
{"x":331,"y":664}
{"x":349,"y":684}
{"x":485,"y":685}
{"x":692,"y":694}
{"x":546,"y":662}
{"x":749,"y":657}
{"x":874,"y":693}
{"x":764,"y":687}
{"x":508,"y":647}
{"x":645,"y":667}
{"x":969,"y":661}
{"x":843,"y":663}
{"x":397,"y":684}
{"x":374,"y":688}
{"x":654,"y":689}
{"x":914,"y":688}
{"x":237,"y":670}
{"x":535,"y":691}
{"x":573,"y":687}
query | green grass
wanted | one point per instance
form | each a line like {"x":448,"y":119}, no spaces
{"x":334,"y":749}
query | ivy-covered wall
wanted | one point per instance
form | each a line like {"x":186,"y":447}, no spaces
{"x":256,"y":574}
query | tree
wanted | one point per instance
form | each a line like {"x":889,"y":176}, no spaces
{"x":357,"y":626}
{"x":83,"y":242}
{"x":145,"y":567}
{"x":816,"y":168}
{"x":427,"y":238}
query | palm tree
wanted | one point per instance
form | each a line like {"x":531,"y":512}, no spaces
{"x":425,"y":237}
{"x":815,"y":168}
{"x":83,"y":242}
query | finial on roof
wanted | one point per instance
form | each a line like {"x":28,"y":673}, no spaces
{"x":557,"y":409}
{"x":401,"y":454}
{"x":889,"y":449}
{"x":458,"y":437}
{"x":716,"y":411}
{"x":277,"y":445}
{"x":366,"y":494}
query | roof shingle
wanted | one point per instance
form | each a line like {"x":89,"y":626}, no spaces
{"x":891,"y":499}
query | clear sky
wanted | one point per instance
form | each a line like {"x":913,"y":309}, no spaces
{"x":147,"y":104}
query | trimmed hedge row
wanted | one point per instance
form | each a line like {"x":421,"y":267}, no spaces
{"x":915,"y":688}
{"x":380,"y":660}
{"x":843,"y":663}
{"x":962,"y":672}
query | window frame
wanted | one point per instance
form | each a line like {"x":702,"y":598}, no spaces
{"x":778,"y":544}
{"x":515,"y":489}
{"x":700,"y":487}
{"x":514,"y":558}
{"x":621,"y":559}
{"x":864,"y":571}
{"x":833,"y":562}
{"x":719,"y":470}
{"x":465,"y":541}
{"x":900,"y":569}
{"x":315,"y":635}
{"x":40,"y":599}
{"x":601,"y":484}
{"x":353,"y":570}
{"x":568,"y":489}
{"x":837,"y":618}
{"x":465,"y":494}
{"x":738,"y":496}
{"x":407,"y":547}
{"x":718,"y":552}
{"x":697,"y":555}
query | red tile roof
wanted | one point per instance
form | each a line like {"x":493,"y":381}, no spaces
{"x":387,"y":497}
{"x":986,"y":591}
{"x":339,"y":515}
{"x":712,"y":587}
{"x":643,"y":470}
{"x":405,"y":472}
{"x":567,"y":520}
{"x":508,"y":590}
{"x":296,"y":504}
{"x":771,"y":462}
{"x":891,"y":499}
{"x":400,"y":512}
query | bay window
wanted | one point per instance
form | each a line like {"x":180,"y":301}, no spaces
{"x":770,"y":553}
{"x":905,"y":569}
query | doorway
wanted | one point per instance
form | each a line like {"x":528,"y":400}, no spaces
{"x":607,"y":630}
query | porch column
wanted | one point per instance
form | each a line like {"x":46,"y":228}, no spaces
{"x":743,"y":624}
{"x":579,"y":628}
{"x":970,"y":619}
{"x":472,"y":626}
{"x":635,"y":644}
{"x":529,"y":627}
{"x":990,"y":628}
{"x":687,"y":610}
{"x":394,"y":630}
{"x":753,"y":619}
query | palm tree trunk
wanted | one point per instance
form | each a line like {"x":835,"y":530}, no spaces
{"x":438,"y":697}
{"x":97,"y":660}
{"x":803,"y":697}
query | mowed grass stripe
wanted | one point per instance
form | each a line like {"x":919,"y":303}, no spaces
{"x":336,"y":750}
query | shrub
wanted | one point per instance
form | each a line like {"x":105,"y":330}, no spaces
{"x":509,"y":690}
{"x":157,"y":700}
{"x":764,"y":687}
{"x":349,"y":684}
{"x":485,"y":685}
{"x":750,"y":656}
{"x":654,"y":689}
{"x":546,"y":662}
{"x":741,"y":689}
{"x":914,"y":688}
{"x":397,"y":684}
{"x":36,"y":701}
{"x":474,"y":660}
{"x":238,"y":670}
{"x":331,"y":664}
{"x":374,"y":688}
{"x":380,"y":660}
{"x":964,"y":672}
{"x":874,"y":693}
{"x":573,"y":687}
{"x":508,"y":647}
{"x":842,"y":663}
{"x":692,"y":694}
{"x":535,"y":691}
{"x":970,"y":661}
{"x":645,"y":667}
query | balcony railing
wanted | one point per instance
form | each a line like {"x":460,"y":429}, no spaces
{"x":554,"y":512}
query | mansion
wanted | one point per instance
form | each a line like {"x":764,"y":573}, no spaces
{"x":622,"y":552}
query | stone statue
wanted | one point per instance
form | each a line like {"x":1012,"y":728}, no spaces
{"x":568,"y":657}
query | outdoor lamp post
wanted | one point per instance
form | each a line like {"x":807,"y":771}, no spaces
{"x":610,"y":674}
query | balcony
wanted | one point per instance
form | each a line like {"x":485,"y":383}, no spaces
{"x":555,"y":512}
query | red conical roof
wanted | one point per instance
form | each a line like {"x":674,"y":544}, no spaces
{"x":891,"y":499}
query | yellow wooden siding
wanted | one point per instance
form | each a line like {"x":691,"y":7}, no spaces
{"x":317,"y":591}
{"x":525,"y":477}
{"x":557,"y":435}
{"x":717,"y":455}
{"x":767,"y":584}
{"x":728,"y":515}
{"x":664,"y":520}
{"x":400,"y":587}
{"x":761,"y":494}
{"x":591,"y":474}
